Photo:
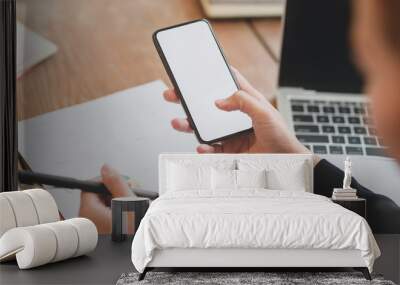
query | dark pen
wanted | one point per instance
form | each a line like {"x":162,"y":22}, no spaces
{"x":30,"y":178}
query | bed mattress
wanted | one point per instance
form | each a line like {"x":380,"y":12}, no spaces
{"x":250,"y":219}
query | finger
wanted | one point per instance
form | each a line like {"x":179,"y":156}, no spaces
{"x":97,"y":212}
{"x":181,"y":125}
{"x":205,"y":148}
{"x":114,"y":182}
{"x":170,"y":96}
{"x":92,"y":204}
{"x":242,"y":101}
{"x":90,"y":199}
{"x":245,"y":85}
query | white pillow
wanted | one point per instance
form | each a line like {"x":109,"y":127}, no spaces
{"x":188,"y":177}
{"x":237,"y":179}
{"x":282,"y":174}
{"x":223,"y":179}
{"x":291,"y":179}
{"x":251,"y":178}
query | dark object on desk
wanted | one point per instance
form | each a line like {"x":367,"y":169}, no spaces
{"x":8,"y":112}
{"x":31,"y":178}
{"x":120,"y":207}
{"x":358,"y":205}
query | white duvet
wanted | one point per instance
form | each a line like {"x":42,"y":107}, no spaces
{"x":250,"y":219}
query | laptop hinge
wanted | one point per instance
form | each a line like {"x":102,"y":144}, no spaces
{"x":295,"y":91}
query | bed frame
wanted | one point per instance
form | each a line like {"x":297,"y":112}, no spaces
{"x":240,"y":259}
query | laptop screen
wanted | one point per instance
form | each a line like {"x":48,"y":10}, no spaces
{"x":316,"y":52}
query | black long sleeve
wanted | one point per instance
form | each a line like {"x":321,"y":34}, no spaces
{"x":383,"y":214}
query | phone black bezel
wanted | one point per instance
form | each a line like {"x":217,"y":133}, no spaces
{"x":174,"y":83}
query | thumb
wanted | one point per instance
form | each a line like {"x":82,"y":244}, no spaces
{"x":114,"y":182}
{"x":243,"y":102}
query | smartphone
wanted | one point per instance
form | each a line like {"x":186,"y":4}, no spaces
{"x":200,"y":74}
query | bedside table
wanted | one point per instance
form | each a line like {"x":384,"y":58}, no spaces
{"x":120,"y":207}
{"x":358,"y":205}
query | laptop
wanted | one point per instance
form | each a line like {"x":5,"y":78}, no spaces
{"x":320,"y":93}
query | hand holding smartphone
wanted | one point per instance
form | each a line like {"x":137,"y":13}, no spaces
{"x":200,"y":74}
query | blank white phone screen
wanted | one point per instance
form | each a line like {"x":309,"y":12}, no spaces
{"x":202,"y":76}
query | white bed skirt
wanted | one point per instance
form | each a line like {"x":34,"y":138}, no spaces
{"x":193,"y":257}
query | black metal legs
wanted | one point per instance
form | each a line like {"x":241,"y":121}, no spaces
{"x":364,"y":271}
{"x":143,"y":274}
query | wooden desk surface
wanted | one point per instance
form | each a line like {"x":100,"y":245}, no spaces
{"x":270,"y":31}
{"x":105,"y":46}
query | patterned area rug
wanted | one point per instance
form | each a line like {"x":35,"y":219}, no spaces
{"x":231,"y":278}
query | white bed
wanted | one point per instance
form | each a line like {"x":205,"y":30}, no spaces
{"x":194,"y":223}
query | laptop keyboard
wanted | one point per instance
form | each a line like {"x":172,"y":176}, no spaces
{"x":335,"y":127}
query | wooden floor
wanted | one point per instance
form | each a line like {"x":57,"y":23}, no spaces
{"x":105,"y":46}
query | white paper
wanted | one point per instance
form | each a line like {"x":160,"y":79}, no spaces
{"x":127,"y":130}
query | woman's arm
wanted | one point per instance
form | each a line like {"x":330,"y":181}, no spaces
{"x":383,"y":214}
